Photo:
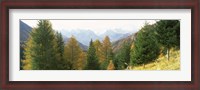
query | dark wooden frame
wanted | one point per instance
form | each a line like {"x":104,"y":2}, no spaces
{"x":99,"y":4}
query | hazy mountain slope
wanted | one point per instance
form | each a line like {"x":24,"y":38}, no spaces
{"x":83,"y":36}
{"x":84,"y":47}
{"x":113,"y":35}
{"x":24,"y":31}
{"x":24,"y":34}
{"x":119,"y":43}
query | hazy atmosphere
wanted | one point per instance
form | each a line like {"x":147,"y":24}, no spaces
{"x":97,"y":26}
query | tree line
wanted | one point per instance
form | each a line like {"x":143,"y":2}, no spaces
{"x":154,"y":40}
{"x":45,"y":49}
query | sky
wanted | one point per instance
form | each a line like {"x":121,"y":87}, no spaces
{"x":97,"y":26}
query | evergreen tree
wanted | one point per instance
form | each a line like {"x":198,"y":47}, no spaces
{"x":146,"y":48}
{"x":92,"y":59}
{"x":73,"y":54}
{"x":122,"y":58}
{"x":40,"y":49}
{"x":107,"y":53}
{"x":60,"y":50}
{"x":168,"y":34}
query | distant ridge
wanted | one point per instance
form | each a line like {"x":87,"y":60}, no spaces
{"x":119,"y":43}
{"x":84,"y":36}
{"x":24,"y":31}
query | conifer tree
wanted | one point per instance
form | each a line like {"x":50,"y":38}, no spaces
{"x":40,"y":48}
{"x":122,"y":58}
{"x":92,"y":59}
{"x":168,"y":34}
{"x":146,"y":47}
{"x":59,"y":50}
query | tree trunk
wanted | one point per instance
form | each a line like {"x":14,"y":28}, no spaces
{"x":143,"y":65}
{"x":168,"y":51}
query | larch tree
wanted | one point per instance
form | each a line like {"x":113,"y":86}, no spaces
{"x":111,"y":66}
{"x":98,"y":46}
{"x":73,"y":54}
{"x":92,"y":59}
{"x":26,"y":64}
{"x":107,"y":52}
{"x":81,"y":63}
{"x":168,"y":34}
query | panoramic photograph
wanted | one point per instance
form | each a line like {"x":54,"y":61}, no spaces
{"x":99,"y":44}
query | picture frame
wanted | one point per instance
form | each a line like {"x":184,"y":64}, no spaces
{"x":100,"y":4}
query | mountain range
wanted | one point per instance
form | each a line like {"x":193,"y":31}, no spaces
{"x":85,"y":36}
{"x":113,"y":35}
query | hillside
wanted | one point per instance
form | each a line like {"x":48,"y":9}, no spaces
{"x":24,"y":31}
{"x":162,"y":63}
{"x":118,"y":44}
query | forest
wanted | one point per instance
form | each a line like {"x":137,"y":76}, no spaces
{"x":154,"y":47}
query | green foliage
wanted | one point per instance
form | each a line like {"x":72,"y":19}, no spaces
{"x":168,"y":34}
{"x":122,"y":58}
{"x":59,"y":50}
{"x":40,"y":49}
{"x":60,"y":44}
{"x":104,"y":65}
{"x":146,"y":47}
{"x":92,"y":59}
